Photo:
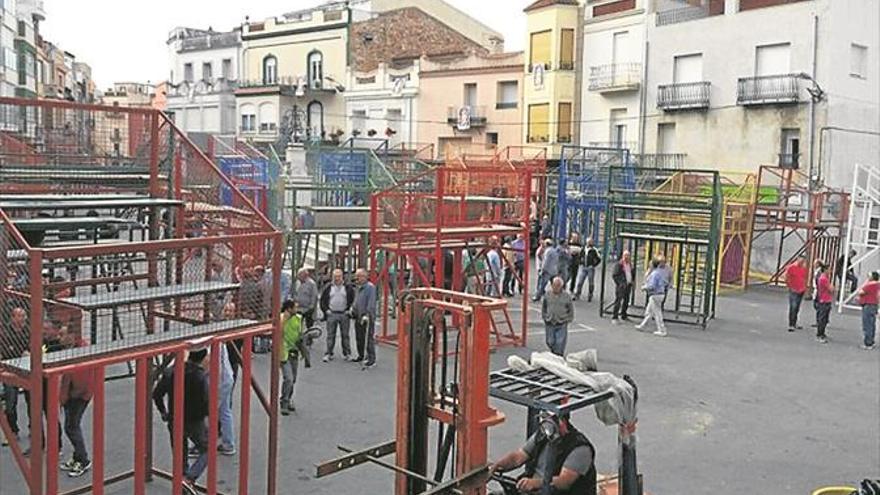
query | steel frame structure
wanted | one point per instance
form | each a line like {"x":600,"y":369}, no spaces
{"x":863,"y":229}
{"x":682,"y":225}
{"x":173,"y":191}
{"x":425,"y":222}
{"x":581,"y":189}
{"x":802,"y":218}
{"x":451,"y":388}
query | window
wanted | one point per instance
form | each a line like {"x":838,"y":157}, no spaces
{"x":207,"y":72}
{"x":491,"y":138}
{"x":773,"y":60}
{"x":248,"y":118}
{"x":566,"y":51}
{"x":270,"y":70}
{"x":539,"y":123}
{"x":858,"y":61}
{"x":539,"y":49}
{"x":687,"y":68}
{"x":665,"y":138}
{"x":620,"y":47}
{"x":316,"y":120}
{"x":470,"y":95}
{"x":226,"y":66}
{"x":508,"y":95}
{"x":618,"y":128}
{"x":790,"y":149}
{"x":22,"y":28}
{"x":316,"y":70}
{"x":564,"y":128}
{"x":188,"y":73}
{"x":268,"y":118}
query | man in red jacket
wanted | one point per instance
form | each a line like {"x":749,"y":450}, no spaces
{"x":796,"y":279}
{"x":77,"y":388}
{"x":824,"y":297}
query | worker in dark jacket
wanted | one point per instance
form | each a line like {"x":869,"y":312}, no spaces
{"x":195,"y":412}
{"x":558,"y":459}
{"x":77,"y":389}
{"x":14,"y":341}
{"x":336,"y":300}
{"x":623,"y":276}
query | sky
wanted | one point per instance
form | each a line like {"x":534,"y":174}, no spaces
{"x":124,"y":40}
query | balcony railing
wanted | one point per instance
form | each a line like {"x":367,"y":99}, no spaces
{"x":615,"y":77}
{"x":674,"y":161}
{"x":683,"y":96}
{"x":789,"y":160}
{"x":455,"y":116}
{"x":768,"y":90}
{"x":690,"y":12}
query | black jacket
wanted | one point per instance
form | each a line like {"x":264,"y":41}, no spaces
{"x":585,"y":484}
{"x":619,"y":276}
{"x":195,"y":393}
{"x":591,"y":257}
{"x":324,"y":301}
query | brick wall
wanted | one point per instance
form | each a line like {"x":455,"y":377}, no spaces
{"x":613,"y":7}
{"x":758,"y":4}
{"x":405,"y":34}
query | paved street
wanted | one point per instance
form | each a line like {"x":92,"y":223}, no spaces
{"x":744,"y":407}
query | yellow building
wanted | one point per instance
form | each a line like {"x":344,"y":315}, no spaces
{"x":550,"y":82}
{"x":291,"y":73}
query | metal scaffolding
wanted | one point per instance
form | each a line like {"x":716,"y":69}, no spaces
{"x":792,"y":218}
{"x":680,"y":222}
{"x":582,"y":188}
{"x":118,"y":247}
{"x":435,"y":229}
{"x":863,"y":230}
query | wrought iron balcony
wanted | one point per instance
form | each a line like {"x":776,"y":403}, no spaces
{"x":683,"y":96}
{"x":476,"y":116}
{"x":689,"y":12}
{"x":611,"y":78}
{"x":674,"y":161}
{"x":768,"y":90}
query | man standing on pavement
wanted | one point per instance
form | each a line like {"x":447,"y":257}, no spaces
{"x":364,"y":313}
{"x":587,"y":271}
{"x":557,"y":310}
{"x":623,"y":276}
{"x":336,"y":301}
{"x":868,"y":299}
{"x":77,"y":388}
{"x":306,"y":297}
{"x":824,"y":297}
{"x":565,"y":260}
{"x":796,"y":280}
{"x":289,"y":354}
{"x":577,"y":260}
{"x":549,"y":269}
{"x":493,"y":276}
{"x":14,"y":342}
{"x":655,"y":286}
{"x":519,"y":259}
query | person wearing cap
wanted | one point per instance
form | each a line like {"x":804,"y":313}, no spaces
{"x":558,"y":459}
{"x":868,"y":298}
{"x":363,"y":311}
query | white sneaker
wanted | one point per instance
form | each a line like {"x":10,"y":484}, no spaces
{"x":639,"y":327}
{"x":615,"y":321}
{"x":661,"y":333}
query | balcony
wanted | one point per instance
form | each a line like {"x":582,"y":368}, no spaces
{"x":466,"y":117}
{"x":768,"y":90}
{"x":789,"y":160}
{"x":683,"y":96}
{"x":759,"y":4}
{"x":613,"y":78}
{"x":668,"y":161}
{"x":289,"y":86}
{"x":689,"y":13}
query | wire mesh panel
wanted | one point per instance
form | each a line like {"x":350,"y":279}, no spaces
{"x":15,"y":295}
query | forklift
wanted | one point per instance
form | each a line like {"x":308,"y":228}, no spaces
{"x":444,"y":377}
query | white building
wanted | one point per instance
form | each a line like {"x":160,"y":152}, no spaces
{"x":384,"y":99}
{"x":203,"y":79}
{"x":8,"y":57}
{"x":613,"y":65}
{"x":734,"y":84}
{"x":29,"y":14}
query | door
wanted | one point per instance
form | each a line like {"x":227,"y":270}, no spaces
{"x":789,"y":156}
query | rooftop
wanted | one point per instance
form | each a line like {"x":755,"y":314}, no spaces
{"x":540,"y":4}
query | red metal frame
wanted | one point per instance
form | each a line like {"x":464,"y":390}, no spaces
{"x":814,"y":223}
{"x":449,"y":209}
{"x":238,"y":229}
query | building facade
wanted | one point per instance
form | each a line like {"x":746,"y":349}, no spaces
{"x":471,"y":102}
{"x":293,"y":72}
{"x":383,"y":83}
{"x":8,"y":56}
{"x":203,"y":79}
{"x":29,"y":14}
{"x":551,"y":79}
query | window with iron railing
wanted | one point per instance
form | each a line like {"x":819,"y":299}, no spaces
{"x":539,"y":125}
{"x":681,"y":96}
{"x":784,"y":88}
{"x":615,"y":76}
{"x":563,"y":134}
{"x":539,"y":48}
{"x":566,"y":55}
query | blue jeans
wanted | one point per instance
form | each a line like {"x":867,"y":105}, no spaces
{"x":543,"y":279}
{"x":556,"y":336}
{"x":869,"y":323}
{"x":197,"y":433}
{"x":585,"y":273}
{"x":227,"y":434}
{"x":794,"y":307}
